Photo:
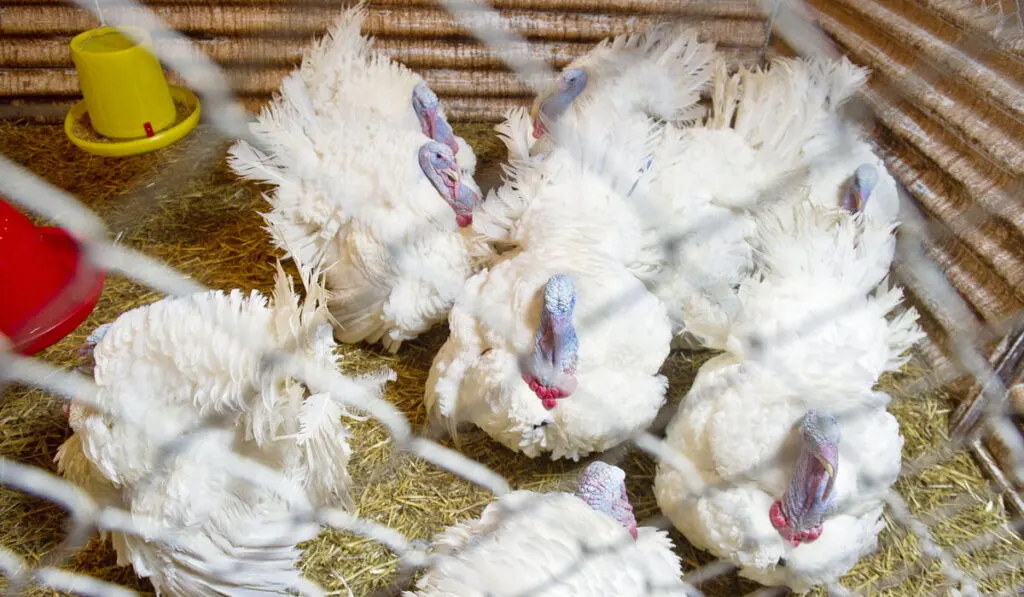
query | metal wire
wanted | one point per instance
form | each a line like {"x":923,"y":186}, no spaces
{"x":788,"y":19}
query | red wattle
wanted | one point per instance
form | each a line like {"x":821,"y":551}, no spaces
{"x":809,"y":535}
{"x":538,"y":129}
{"x":780,"y":523}
{"x":778,"y":519}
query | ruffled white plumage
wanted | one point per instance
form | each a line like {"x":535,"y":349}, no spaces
{"x":658,"y":73}
{"x":624,"y":339}
{"x":185,"y":363}
{"x":768,"y":130}
{"x":527,"y":540}
{"x":343,"y":72}
{"x":813,"y":331}
{"x":352,"y":200}
{"x":583,"y":193}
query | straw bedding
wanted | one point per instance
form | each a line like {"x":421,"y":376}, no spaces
{"x":183,"y":206}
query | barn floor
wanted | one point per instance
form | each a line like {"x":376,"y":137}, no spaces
{"x":183,"y":206}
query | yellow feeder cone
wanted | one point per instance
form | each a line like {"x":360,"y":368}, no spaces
{"x":123,"y":84}
{"x":126,"y":94}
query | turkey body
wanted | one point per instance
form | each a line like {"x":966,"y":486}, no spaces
{"x":623,"y":336}
{"x":183,"y":401}
{"x":354,"y":195}
{"x":774,"y":135}
{"x":736,"y":426}
{"x":343,"y":72}
{"x":530,"y":541}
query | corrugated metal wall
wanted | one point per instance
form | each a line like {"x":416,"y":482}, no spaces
{"x":956,"y":143}
{"x":260,"y":41}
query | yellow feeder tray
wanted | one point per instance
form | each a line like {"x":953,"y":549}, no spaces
{"x":126,"y":147}
{"x":131,"y":109}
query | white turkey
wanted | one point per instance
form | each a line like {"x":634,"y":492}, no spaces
{"x":556,"y":544}
{"x":767,"y":130}
{"x":553,"y":351}
{"x":857,"y":233}
{"x":659,"y":72}
{"x":343,"y":72}
{"x":382,"y":209}
{"x":584,"y":196}
{"x":692,"y":192}
{"x":795,"y":507}
{"x":611,"y":103}
{"x":184,"y":395}
{"x":870,"y":193}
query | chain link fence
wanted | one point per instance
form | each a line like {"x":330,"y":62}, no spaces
{"x":789,"y":20}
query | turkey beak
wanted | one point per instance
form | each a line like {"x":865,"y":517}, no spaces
{"x":855,"y":198}
{"x":829,"y":469}
{"x":851,"y":200}
{"x":451,"y":176}
{"x":828,"y":457}
{"x":862,"y":195}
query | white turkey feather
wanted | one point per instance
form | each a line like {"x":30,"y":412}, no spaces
{"x":197,"y":362}
{"x":525,"y":541}
{"x":623,"y":338}
{"x":841,"y":328}
{"x":324,"y":442}
{"x":343,"y":72}
{"x":386,"y":240}
{"x":659,"y":73}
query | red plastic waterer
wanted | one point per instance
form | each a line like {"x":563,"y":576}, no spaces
{"x":48,"y":287}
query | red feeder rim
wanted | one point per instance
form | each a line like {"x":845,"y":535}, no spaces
{"x":50,"y":288}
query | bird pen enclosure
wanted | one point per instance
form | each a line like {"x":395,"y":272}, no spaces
{"x":944,"y":109}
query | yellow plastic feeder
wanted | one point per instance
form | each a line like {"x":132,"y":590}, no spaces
{"x":130,"y":106}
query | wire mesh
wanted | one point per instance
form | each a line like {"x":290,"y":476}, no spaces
{"x":787,"y":19}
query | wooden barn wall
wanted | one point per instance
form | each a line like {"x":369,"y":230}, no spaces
{"x":946,"y":82}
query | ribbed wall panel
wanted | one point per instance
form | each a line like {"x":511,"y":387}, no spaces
{"x":258,"y":42}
